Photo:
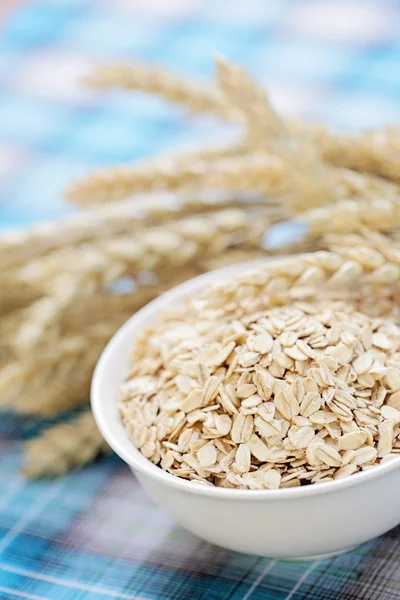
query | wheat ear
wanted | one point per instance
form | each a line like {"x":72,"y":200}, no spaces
{"x":262,"y":172}
{"x":376,"y":152}
{"x":349,"y":216}
{"x":250,"y":102}
{"x":55,"y":380}
{"x":64,"y":447}
{"x":343,"y":217}
{"x":195,"y":97}
{"x":21,"y":246}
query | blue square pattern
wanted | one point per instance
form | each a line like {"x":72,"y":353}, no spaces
{"x":106,"y":36}
{"x":30,"y":120}
{"x":42,"y":185}
{"x":38,"y":23}
{"x":237,"y":11}
{"x":10,"y":60}
{"x":379,"y":71}
{"x":108,"y":136}
{"x":355,"y":111}
{"x":136,"y":106}
{"x":191,"y":47}
{"x":302,"y":61}
{"x":48,"y":544}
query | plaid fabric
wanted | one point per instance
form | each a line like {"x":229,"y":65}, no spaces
{"x":95,"y":534}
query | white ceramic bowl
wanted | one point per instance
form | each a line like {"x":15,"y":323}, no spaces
{"x":302,"y":523}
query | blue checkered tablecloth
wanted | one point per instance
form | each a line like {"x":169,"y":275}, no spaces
{"x":94,"y":534}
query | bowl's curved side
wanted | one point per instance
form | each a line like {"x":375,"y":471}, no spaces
{"x":286,"y":527}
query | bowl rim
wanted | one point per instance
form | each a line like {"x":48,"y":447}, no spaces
{"x":157,"y":473}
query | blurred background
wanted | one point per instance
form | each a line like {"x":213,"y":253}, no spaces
{"x":330,"y":60}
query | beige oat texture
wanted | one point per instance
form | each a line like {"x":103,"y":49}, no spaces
{"x":305,"y":387}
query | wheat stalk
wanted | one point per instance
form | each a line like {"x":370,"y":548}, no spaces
{"x":19,"y":246}
{"x":64,"y":447}
{"x":377,"y":152}
{"x":250,"y":104}
{"x":195,"y":97}
{"x":258,"y":171}
{"x":80,"y":272}
{"x":301,"y":183}
{"x":55,"y":380}
{"x":57,"y":376}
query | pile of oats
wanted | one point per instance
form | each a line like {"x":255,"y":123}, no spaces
{"x":272,"y":398}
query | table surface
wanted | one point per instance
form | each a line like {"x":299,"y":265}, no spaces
{"x":95,"y":534}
